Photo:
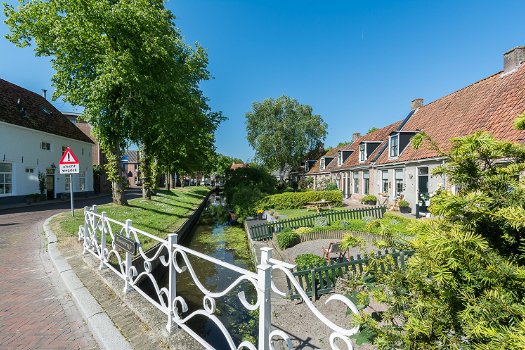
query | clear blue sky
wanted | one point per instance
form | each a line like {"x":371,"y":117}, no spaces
{"x":357,"y":63}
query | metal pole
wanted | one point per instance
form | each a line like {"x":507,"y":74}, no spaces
{"x":127,"y":286}
{"x":264,"y":272}
{"x":172,"y":282}
{"x":71,"y":193}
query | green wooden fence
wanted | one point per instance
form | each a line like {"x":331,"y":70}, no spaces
{"x":319,"y":280}
{"x":265,"y":231}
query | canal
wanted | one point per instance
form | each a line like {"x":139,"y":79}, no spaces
{"x":213,"y":236}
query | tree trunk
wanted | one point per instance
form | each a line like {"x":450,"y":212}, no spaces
{"x":113,"y":173}
{"x":145,"y":165}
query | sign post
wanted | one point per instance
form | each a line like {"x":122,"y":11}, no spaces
{"x":69,"y":164}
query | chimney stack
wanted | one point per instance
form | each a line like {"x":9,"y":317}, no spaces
{"x":513,"y":58}
{"x":416,"y":103}
{"x":355,"y":136}
{"x":44,"y":93}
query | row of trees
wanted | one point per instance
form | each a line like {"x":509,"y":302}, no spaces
{"x":125,"y":62}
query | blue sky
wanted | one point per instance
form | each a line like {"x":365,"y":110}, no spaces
{"x":357,"y":63}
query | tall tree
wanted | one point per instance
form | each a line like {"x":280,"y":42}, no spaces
{"x":123,"y":60}
{"x":283,"y":131}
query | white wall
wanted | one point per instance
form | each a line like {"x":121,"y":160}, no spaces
{"x":21,"y":147}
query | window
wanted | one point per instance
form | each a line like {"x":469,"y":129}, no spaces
{"x":340,"y":158}
{"x":46,"y":146}
{"x":399,"y":181}
{"x":384,"y":181}
{"x":366,"y":182}
{"x":394,"y":146}
{"x":362,"y":152}
{"x":67,"y":183}
{"x":82,"y":181}
{"x":321,"y":166}
{"x":6,"y":178}
{"x":422,"y":182}
{"x":30,"y":170}
{"x":63,"y":149}
{"x":356,"y":181}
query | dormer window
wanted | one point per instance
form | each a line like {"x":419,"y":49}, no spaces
{"x":340,"y":158}
{"x":394,"y":146}
{"x":322,"y":165}
{"x":362,"y":152}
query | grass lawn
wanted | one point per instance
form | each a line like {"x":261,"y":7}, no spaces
{"x":162,"y":215}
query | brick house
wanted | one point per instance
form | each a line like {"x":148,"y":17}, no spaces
{"x":393,"y":168}
{"x":101,"y":184}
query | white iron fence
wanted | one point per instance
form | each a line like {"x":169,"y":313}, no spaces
{"x":106,"y":239}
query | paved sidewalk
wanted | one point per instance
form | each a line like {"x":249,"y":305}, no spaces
{"x":35,"y":310}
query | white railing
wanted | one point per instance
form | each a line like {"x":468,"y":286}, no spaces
{"x":98,"y":235}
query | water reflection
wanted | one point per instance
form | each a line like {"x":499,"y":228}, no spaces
{"x":215,"y":238}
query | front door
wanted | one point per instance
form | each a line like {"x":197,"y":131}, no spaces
{"x":50,"y":186}
{"x":422,"y":187}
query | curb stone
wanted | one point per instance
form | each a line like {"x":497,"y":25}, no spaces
{"x":103,"y":329}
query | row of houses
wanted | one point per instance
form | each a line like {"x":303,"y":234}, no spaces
{"x":385,"y":164}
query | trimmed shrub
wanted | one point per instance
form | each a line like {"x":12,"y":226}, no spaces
{"x":305,"y":261}
{"x":369,"y":199}
{"x":287,"y":238}
{"x":298,"y":200}
{"x":302,"y":230}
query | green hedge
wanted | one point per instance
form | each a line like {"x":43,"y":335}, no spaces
{"x":297,"y":200}
{"x":287,"y":238}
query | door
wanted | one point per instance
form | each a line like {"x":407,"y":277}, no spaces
{"x":422,"y":188}
{"x":50,"y":186}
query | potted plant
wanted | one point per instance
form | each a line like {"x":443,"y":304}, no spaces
{"x":260,"y":213}
{"x":369,"y":199}
{"x":404,"y":206}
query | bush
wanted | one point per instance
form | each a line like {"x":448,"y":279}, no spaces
{"x":287,"y":238}
{"x":369,"y":199}
{"x":297,"y":200}
{"x":331,"y":187}
{"x":403,"y":204}
{"x":305,"y":261}
{"x":302,"y":230}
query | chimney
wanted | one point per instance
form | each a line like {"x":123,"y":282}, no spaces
{"x":355,"y":136}
{"x":416,"y":103}
{"x":44,"y":93}
{"x":513,"y":58}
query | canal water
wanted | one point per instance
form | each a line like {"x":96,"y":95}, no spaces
{"x":213,"y":236}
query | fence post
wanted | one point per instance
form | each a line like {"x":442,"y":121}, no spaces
{"x":86,"y":218}
{"x":312,"y":276}
{"x":172,"y":282}
{"x":264,"y":271}
{"x":103,"y":241}
{"x":127,"y":288}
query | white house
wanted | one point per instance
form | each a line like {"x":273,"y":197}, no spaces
{"x":33,"y":136}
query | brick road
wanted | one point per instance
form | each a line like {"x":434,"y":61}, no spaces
{"x":35,"y":310}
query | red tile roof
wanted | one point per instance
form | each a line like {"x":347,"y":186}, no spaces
{"x":378,"y":135}
{"x":331,"y":153}
{"x":40,"y":114}
{"x":490,"y":104}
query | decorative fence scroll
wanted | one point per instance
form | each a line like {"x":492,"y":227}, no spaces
{"x":103,"y":236}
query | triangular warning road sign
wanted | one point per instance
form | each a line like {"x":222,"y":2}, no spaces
{"x":68,"y":157}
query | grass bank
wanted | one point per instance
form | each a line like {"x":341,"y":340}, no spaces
{"x":163,"y":214}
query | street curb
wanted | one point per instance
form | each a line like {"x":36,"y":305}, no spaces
{"x":103,"y":330}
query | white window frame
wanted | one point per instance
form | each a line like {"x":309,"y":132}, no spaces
{"x":397,"y":181}
{"x":340,"y":158}
{"x":82,"y":181}
{"x":3,"y":181}
{"x":322,"y":164}
{"x":366,"y":182}
{"x":383,"y":182}
{"x":362,"y":152}
{"x":355,"y":182}
{"x":393,"y":153}
{"x":44,"y":146}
